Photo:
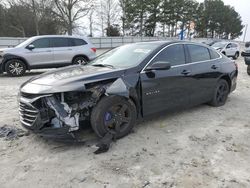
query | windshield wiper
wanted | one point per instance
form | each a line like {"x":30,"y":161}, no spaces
{"x":103,"y":65}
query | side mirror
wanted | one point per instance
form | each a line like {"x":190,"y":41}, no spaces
{"x":160,"y":65}
{"x":245,"y":54}
{"x":229,"y":46}
{"x":30,"y":47}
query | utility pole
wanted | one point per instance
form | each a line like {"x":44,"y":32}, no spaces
{"x":244,"y":39}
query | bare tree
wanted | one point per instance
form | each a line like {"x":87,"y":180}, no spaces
{"x":70,"y":11}
{"x":109,"y":13}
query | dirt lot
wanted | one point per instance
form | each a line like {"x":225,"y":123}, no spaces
{"x":200,"y":147}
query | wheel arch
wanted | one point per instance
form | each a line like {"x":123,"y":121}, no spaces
{"x":9,"y":57}
{"x":228,"y":79}
{"x":80,"y":55}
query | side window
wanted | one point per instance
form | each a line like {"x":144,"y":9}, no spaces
{"x":234,"y":45}
{"x":198,"y":53}
{"x":59,"y":42}
{"x":79,"y":42}
{"x":229,"y":45}
{"x":173,"y":54}
{"x":41,"y":43}
{"x":213,"y":54}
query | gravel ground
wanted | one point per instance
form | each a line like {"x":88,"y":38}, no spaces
{"x":199,"y":147}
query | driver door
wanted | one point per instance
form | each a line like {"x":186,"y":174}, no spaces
{"x":42,"y":55}
{"x":166,"y":89}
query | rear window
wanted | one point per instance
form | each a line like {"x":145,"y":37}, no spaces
{"x":59,"y":42}
{"x":79,"y":42}
{"x":198,"y":53}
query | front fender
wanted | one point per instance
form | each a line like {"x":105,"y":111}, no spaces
{"x":8,"y":57}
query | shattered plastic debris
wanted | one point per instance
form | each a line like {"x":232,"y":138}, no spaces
{"x":11,"y":132}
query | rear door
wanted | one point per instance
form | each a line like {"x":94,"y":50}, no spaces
{"x":41,"y":55}
{"x":62,"y":49}
{"x":205,"y":72}
{"x":166,"y":89}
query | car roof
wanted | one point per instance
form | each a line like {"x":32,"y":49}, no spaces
{"x":57,"y":36}
{"x":167,"y":42}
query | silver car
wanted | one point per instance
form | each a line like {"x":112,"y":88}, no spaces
{"x":230,"y":49}
{"x":50,"y":51}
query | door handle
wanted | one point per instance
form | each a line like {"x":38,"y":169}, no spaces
{"x":214,"y":67}
{"x":186,"y":72}
{"x":69,"y":49}
{"x":49,"y":51}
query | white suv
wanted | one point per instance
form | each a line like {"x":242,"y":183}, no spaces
{"x":49,"y":51}
{"x":230,"y":49}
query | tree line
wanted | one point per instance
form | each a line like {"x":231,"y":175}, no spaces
{"x":211,"y":18}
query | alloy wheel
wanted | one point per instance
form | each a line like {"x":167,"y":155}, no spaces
{"x":117,"y":118}
{"x":222,"y":93}
{"x":16,"y":68}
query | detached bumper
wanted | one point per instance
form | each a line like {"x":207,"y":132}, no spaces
{"x":61,"y":134}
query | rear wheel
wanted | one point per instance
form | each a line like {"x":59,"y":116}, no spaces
{"x":115,"y":115}
{"x":15,"y":67}
{"x":221,"y":94}
{"x":80,"y":61}
{"x":248,"y":70}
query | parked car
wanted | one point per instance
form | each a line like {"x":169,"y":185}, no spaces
{"x":125,"y":84}
{"x":46,"y":52}
{"x":210,"y":42}
{"x":246,"y":54}
{"x":230,"y":49}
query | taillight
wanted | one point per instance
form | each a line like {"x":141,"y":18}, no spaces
{"x":93,"y":49}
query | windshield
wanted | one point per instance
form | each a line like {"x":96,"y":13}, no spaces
{"x":125,"y":56}
{"x":219,"y":45}
{"x":25,"y":43}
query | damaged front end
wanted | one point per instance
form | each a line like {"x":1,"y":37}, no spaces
{"x":61,"y":115}
{"x":58,"y":115}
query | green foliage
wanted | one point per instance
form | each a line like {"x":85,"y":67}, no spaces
{"x":212,"y":18}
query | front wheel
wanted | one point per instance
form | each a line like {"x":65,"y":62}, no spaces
{"x":248,"y":70}
{"x":237,"y":54}
{"x":221,"y":94}
{"x":15,"y":67}
{"x":115,"y":115}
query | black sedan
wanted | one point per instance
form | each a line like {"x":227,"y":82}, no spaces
{"x":123,"y":85}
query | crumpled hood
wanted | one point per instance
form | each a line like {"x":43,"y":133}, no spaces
{"x":68,"y":79}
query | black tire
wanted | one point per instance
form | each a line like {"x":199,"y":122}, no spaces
{"x":15,"y":67}
{"x":80,"y":60}
{"x":236,"y":56}
{"x":221,"y":93}
{"x":110,"y":112}
{"x":248,"y":70}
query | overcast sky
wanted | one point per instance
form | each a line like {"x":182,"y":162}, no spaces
{"x":243,"y":8}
